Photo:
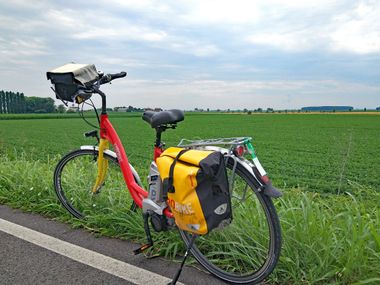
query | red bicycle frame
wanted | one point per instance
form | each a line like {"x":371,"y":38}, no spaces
{"x":108,"y":132}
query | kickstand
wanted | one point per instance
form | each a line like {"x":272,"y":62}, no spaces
{"x":148,"y":236}
{"x":175,"y":279}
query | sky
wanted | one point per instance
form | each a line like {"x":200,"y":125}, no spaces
{"x":213,"y":54}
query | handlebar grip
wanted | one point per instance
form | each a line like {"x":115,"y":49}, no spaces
{"x":118,"y":75}
{"x":109,"y":77}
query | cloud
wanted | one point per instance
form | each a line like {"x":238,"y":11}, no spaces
{"x":354,"y":29}
{"x":198,"y":53}
{"x":21,"y":51}
{"x":147,"y":6}
{"x":239,"y":94}
{"x":105,"y":27}
{"x":101,"y":26}
{"x":225,"y":12}
{"x":291,"y":41}
{"x":358,"y":30}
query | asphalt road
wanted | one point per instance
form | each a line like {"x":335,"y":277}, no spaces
{"x":35,"y":250}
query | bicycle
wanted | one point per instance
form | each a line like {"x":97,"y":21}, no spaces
{"x":244,"y":252}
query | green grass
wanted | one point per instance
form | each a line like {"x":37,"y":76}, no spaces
{"x":333,"y":239}
{"x":33,"y":116}
{"x":27,"y":185}
{"x":327,"y":238}
{"x":37,"y":116}
{"x":318,"y":152}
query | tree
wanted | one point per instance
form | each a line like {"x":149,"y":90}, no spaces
{"x":39,"y":105}
{"x":16,"y":102}
{"x":10,"y":103}
{"x":4,"y":102}
{"x":61,"y":108}
{"x":7,"y":98}
{"x":23,"y":103}
{"x":13,"y":100}
{"x":1,"y":101}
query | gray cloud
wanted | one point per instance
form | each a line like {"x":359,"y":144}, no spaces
{"x":239,"y":54}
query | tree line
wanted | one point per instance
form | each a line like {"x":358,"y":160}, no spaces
{"x":16,"y":103}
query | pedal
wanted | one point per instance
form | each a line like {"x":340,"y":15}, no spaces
{"x":142,"y":248}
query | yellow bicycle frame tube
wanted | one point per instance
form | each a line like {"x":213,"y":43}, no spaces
{"x":102,"y":166}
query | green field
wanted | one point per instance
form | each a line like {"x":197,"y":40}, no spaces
{"x":318,"y":152}
{"x":327,"y":165}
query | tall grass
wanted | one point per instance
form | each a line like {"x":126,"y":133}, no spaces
{"x":28,"y":185}
{"x":329,"y":239}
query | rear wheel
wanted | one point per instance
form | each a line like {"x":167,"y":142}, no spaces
{"x":74,"y":178}
{"x":247,"y":250}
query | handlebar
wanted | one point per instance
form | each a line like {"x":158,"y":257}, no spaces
{"x":111,"y":76}
{"x":85,"y":93}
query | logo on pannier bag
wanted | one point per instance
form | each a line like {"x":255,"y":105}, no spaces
{"x":184,"y":209}
{"x":194,"y":227}
{"x":220,"y":210}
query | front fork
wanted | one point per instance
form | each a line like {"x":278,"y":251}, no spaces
{"x":102,"y":166}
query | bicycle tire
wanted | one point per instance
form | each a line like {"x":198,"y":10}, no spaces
{"x":211,"y":250}
{"x":74,"y":177}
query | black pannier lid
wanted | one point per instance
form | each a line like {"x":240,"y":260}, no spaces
{"x":69,"y":77}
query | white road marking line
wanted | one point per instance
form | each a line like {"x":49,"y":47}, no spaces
{"x":94,"y":259}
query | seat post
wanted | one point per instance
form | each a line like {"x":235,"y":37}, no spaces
{"x":159,"y":131}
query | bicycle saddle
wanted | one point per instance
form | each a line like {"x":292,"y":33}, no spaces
{"x":156,"y":119}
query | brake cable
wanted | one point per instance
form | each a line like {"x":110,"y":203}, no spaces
{"x":96,"y":112}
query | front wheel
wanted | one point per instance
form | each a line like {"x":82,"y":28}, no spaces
{"x":74,"y":179}
{"x":247,"y":250}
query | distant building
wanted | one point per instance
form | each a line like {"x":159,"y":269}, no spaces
{"x":127,"y":109}
{"x":328,"y":108}
{"x":72,"y":109}
{"x":155,"y":109}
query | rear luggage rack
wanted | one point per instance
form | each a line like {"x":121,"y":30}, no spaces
{"x":218,"y":141}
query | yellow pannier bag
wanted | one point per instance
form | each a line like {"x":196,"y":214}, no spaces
{"x":197,"y":188}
